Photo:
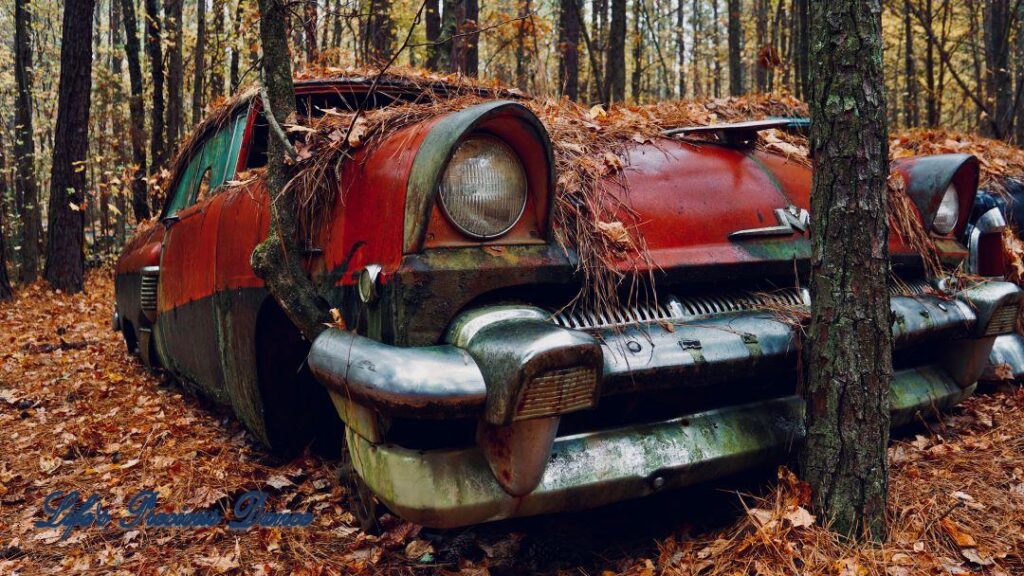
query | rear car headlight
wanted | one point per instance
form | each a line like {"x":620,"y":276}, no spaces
{"x":483,"y":190}
{"x":948,"y":213}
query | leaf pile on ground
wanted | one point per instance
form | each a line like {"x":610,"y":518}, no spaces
{"x":79,"y":413}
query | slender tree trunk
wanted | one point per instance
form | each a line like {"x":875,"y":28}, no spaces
{"x":309,"y":22}
{"x":803,"y":47}
{"x":850,"y":347}
{"x":433,"y":31}
{"x":155,"y":53}
{"x":5,"y":281}
{"x":910,"y":62}
{"x":568,"y":50}
{"x":378,"y":32}
{"x":763,"y":43}
{"x":615,"y":62}
{"x":716,"y":49}
{"x":277,"y":259}
{"x":998,"y":82}
{"x":175,"y":72}
{"x":217,"y":58}
{"x":65,"y":263}
{"x":136,"y":109}
{"x":24,"y":145}
{"x":199,"y":57}
{"x":931,"y":98}
{"x":236,"y":51}
{"x":681,"y":47}
{"x":522,"y":27}
{"x":735,"y":49}
{"x":637,"y":77}
{"x":465,"y":51}
{"x":696,"y":19}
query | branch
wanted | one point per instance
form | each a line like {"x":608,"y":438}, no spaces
{"x":275,"y":128}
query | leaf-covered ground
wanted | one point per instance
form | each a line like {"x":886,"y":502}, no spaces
{"x":78,"y":413}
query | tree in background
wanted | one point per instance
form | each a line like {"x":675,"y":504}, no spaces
{"x":154,"y":52}
{"x":615,"y":63}
{"x":24,"y":145}
{"x":465,"y":50}
{"x":435,"y":48}
{"x":378,"y":32}
{"x":65,"y":262}
{"x":199,"y":63}
{"x":849,"y":353}
{"x":137,"y":113}
{"x":175,"y":72}
{"x":998,"y":81}
{"x":568,"y":49}
{"x":5,"y":282}
{"x":735,"y":47}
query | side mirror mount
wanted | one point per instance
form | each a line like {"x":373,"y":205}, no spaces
{"x":169,"y":221}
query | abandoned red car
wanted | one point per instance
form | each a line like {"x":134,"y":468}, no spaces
{"x":469,"y":387}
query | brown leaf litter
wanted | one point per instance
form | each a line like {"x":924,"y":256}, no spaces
{"x":89,"y":417}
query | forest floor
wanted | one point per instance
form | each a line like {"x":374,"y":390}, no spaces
{"x":77,"y":412}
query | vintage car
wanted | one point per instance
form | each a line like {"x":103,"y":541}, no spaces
{"x":468,"y":387}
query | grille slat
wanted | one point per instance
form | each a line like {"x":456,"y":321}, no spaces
{"x":558,"y":392}
{"x":148,"y":288}
{"x":1003,"y":320}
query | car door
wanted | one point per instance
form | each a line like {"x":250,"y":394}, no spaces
{"x":187,"y":327}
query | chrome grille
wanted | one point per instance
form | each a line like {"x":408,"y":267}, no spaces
{"x":680,"y":310}
{"x":147,"y":289}
{"x":1004,"y":320}
{"x":558,"y":392}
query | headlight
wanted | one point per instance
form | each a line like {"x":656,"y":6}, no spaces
{"x":949,"y":212}
{"x":483,"y":190}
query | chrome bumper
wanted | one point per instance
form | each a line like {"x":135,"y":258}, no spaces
{"x":452,"y":379}
{"x":1006,"y":360}
{"x":449,"y":488}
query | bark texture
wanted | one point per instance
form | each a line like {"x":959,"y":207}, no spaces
{"x":568,"y":50}
{"x":278,"y":259}
{"x":24,"y":145}
{"x":5,"y":281}
{"x":175,"y":72}
{"x":615,"y":63}
{"x":199,"y":63}
{"x":850,"y":347}
{"x":155,"y":54}
{"x":998,"y":82}
{"x":465,"y":52}
{"x":137,"y":113}
{"x":735,"y":49}
{"x":65,"y":262}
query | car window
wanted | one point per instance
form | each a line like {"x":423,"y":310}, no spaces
{"x":213,"y":164}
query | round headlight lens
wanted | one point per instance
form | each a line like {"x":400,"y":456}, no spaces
{"x":483,"y":190}
{"x":949,"y":212}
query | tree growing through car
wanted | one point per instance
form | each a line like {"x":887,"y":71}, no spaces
{"x":850,"y":351}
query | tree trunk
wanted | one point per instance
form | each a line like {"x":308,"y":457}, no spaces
{"x":637,"y":77}
{"x":136,"y":109}
{"x":65,"y":263}
{"x":735,"y":55}
{"x":998,"y":83}
{"x":155,"y":53}
{"x":309,"y":21}
{"x":568,"y":50}
{"x":932,"y":97}
{"x":910,"y":114}
{"x":465,"y":51}
{"x":433,"y":30}
{"x":522,"y":26}
{"x":175,"y":72}
{"x":236,"y":51}
{"x":681,"y":48}
{"x":696,"y":18}
{"x":277,"y":260}
{"x":217,"y":59}
{"x":200,"y":63}
{"x":803,"y":49}
{"x":850,"y":348}
{"x":24,"y":145}
{"x":615,"y":62}
{"x":378,"y":32}
{"x":5,"y":281}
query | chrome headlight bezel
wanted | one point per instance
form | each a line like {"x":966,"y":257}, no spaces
{"x":452,"y":212}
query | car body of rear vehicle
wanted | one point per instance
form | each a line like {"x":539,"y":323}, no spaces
{"x":470,"y":387}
